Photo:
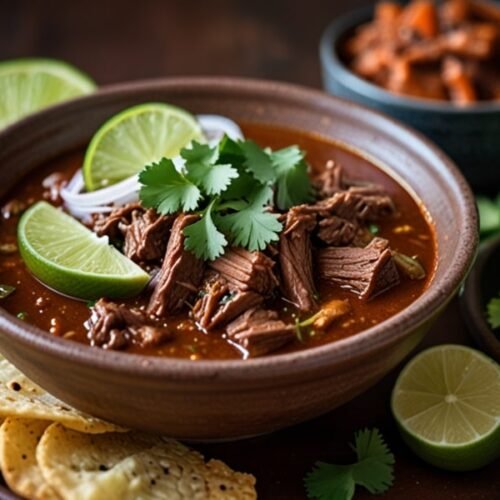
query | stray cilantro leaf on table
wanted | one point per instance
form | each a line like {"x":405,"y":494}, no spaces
{"x":489,"y":215}
{"x":373,"y":470}
{"x":493,"y":309}
{"x":167,"y":190}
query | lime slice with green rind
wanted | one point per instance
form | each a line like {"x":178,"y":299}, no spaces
{"x":134,"y":138}
{"x":446,"y":402}
{"x":71,"y":259}
{"x":29,"y":85}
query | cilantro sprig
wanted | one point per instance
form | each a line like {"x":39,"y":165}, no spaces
{"x":373,"y":470}
{"x":231,"y":187}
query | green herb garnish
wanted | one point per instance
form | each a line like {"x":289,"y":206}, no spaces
{"x":374,"y":229}
{"x":231,"y":187}
{"x":373,"y":470}
{"x":489,"y":215}
{"x":22,"y":315}
{"x":493,"y":312}
{"x":6,"y":290}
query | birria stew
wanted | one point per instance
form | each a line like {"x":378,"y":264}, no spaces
{"x":272,"y":242}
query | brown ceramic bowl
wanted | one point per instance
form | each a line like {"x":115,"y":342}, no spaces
{"x":482,"y":285}
{"x":232,"y":399}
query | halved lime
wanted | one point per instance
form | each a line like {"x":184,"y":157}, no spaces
{"x":134,"y":138}
{"x":447,"y":404}
{"x":73,"y":260}
{"x":29,"y":85}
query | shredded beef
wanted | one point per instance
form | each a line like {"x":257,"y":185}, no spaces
{"x":145,"y":231}
{"x":330,"y":181}
{"x":117,"y":326}
{"x":360,"y":205}
{"x":365,"y":271}
{"x":108,"y":224}
{"x":180,"y":274}
{"x":220,"y":302}
{"x":260,"y":331}
{"x":146,"y":236}
{"x":333,"y":180}
{"x":337,"y":231}
{"x":296,"y":259}
{"x":247,"y":270}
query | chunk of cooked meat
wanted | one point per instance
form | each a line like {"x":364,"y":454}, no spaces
{"x":296,"y":259}
{"x":260,"y":331}
{"x":145,"y":231}
{"x":147,"y":235}
{"x":118,"y":326}
{"x":180,"y":274}
{"x":366,"y":272}
{"x":220,"y":302}
{"x":356,"y":205}
{"x":247,"y":270}
{"x":330,"y":180}
{"x":108,"y":224}
{"x":337,"y":231}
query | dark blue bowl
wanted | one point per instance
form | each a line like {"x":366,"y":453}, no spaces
{"x":470,"y":135}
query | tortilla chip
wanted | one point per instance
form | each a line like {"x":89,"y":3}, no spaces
{"x":22,"y":398}
{"x":223,"y":483}
{"x":129,"y":466}
{"x":18,"y":441}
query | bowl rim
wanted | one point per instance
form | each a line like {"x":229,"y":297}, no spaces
{"x":263,"y":369}
{"x":335,"y":67}
{"x":471,"y":299}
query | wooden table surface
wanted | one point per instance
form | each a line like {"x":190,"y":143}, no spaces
{"x":273,"y":39}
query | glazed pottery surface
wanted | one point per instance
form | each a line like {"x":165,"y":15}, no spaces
{"x":232,"y":399}
{"x":481,"y":286}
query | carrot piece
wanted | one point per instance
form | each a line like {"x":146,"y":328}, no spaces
{"x":421,"y":17}
{"x":460,"y":86}
{"x":387,"y":12}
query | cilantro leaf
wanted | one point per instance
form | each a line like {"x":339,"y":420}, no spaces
{"x":375,"y":461}
{"x":330,"y":482}
{"x":203,"y":238}
{"x":166,"y":189}
{"x":489,"y":215}
{"x":257,"y":162}
{"x":253,"y":227}
{"x":204,"y":171}
{"x":293,"y":183}
{"x":373,"y":470}
{"x":493,"y":310}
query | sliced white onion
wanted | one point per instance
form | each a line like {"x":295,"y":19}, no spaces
{"x":81,"y":204}
{"x":215,"y":126}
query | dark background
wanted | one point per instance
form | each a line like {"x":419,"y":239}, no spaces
{"x":120,"y":40}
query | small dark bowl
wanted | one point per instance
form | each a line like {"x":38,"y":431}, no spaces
{"x":236,"y":398}
{"x":481,"y":285}
{"x":470,"y":135}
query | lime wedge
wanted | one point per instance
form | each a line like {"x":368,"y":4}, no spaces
{"x":29,"y":85}
{"x":68,"y":257}
{"x":447,"y":405}
{"x":134,"y":138}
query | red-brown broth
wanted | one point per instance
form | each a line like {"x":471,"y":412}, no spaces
{"x":63,"y":316}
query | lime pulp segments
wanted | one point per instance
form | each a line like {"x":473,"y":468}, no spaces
{"x":134,"y":138}
{"x":29,"y":85}
{"x":73,"y":260}
{"x":447,"y":405}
